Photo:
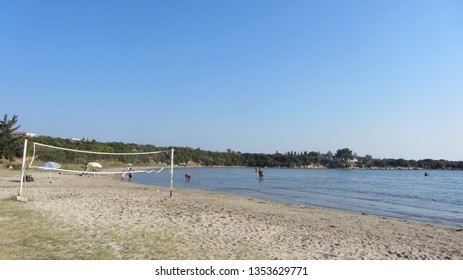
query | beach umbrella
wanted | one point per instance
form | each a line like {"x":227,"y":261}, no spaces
{"x":94,"y":164}
{"x":51,"y":165}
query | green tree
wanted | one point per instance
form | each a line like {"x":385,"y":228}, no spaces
{"x":9,"y":145}
{"x":344,"y":155}
{"x":342,"y":158}
{"x":315,"y":157}
{"x":368,"y":158}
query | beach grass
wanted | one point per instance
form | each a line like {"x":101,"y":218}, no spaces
{"x":28,"y":235}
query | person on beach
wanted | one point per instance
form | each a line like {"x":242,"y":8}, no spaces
{"x":123,"y":176}
{"x":85,"y":169}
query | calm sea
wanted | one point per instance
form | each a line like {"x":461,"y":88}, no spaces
{"x":409,"y":194}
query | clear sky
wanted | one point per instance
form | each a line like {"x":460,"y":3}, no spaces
{"x":379,"y":77}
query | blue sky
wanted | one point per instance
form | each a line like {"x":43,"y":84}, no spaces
{"x":379,"y":77}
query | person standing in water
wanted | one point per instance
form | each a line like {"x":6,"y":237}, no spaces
{"x":130,"y":174}
{"x":261,"y":173}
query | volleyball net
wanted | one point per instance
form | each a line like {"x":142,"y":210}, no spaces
{"x":84,"y":162}
{"x":47,"y":157}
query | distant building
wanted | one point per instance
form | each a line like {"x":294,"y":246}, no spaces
{"x":76,"y":139}
{"x":22,"y":133}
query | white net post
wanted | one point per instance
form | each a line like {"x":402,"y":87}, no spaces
{"x":22,"y":186}
{"x":171,"y":172}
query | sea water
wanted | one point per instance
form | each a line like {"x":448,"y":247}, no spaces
{"x":403,"y":194}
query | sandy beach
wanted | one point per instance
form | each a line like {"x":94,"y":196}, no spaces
{"x":135,"y":221}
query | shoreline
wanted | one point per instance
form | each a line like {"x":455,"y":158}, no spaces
{"x":198,"y":224}
{"x":390,"y":205}
{"x":320,"y":167}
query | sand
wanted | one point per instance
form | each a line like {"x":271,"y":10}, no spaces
{"x":208,"y":225}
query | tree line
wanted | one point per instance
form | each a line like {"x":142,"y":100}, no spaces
{"x":343,"y":158}
{"x":11,"y":148}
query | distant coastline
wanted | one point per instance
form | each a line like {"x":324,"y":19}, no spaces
{"x":198,"y":165}
{"x":186,"y":156}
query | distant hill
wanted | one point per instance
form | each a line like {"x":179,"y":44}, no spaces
{"x":187,"y":156}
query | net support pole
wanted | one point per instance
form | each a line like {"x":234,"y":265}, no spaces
{"x":22,"y":186}
{"x":171,"y":172}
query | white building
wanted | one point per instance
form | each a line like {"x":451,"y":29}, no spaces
{"x":27,"y":134}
